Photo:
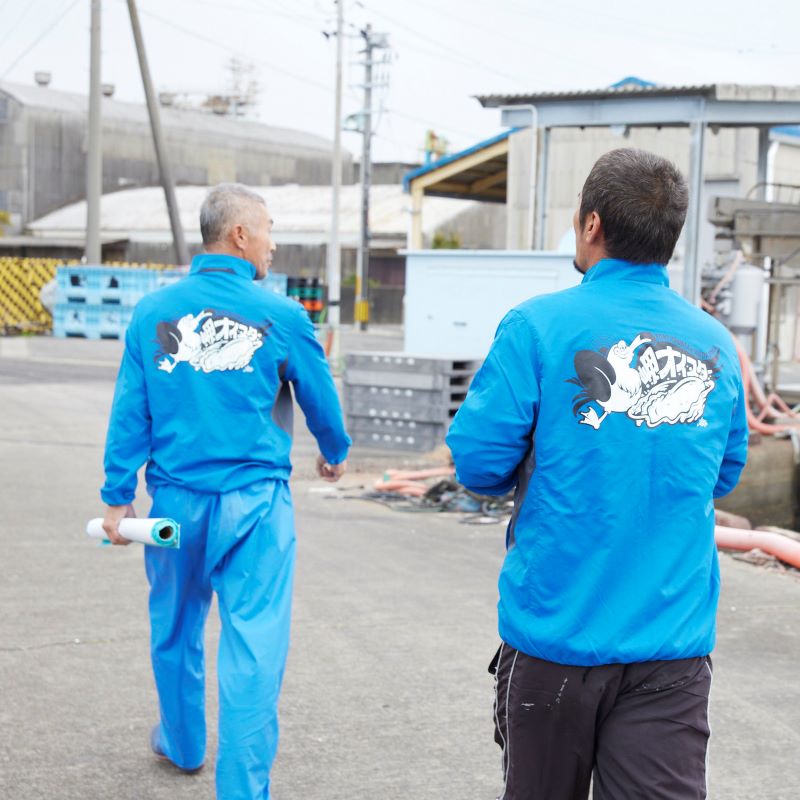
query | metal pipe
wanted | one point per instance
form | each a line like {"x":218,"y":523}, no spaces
{"x":691,"y":267}
{"x":334,"y":252}
{"x":167,"y":182}
{"x":362,"y":259}
{"x":541,"y":187}
{"x":94,"y":150}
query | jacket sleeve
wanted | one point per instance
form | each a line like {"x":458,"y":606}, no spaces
{"x":308,"y":370}
{"x":129,"y":428}
{"x":491,"y":433}
{"x":736,"y":448}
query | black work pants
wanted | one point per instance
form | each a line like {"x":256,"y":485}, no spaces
{"x":640,"y":731}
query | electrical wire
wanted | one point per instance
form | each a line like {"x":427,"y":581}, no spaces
{"x":419,"y":34}
{"x":288,"y":73}
{"x":39,"y":38}
{"x":230,"y":49}
{"x":572,"y":16}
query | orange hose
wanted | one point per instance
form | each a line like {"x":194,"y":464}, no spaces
{"x":752,"y":388}
{"x":782,"y":547}
{"x":412,"y":488}
{"x":415,"y":475}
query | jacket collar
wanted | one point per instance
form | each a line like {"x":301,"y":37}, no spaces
{"x":612,"y":269}
{"x":215,"y":263}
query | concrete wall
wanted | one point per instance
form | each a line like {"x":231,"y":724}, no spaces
{"x":480,"y":226}
{"x":730,"y":154}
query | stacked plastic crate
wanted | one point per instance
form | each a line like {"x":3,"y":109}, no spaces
{"x":97,"y":302}
{"x":403,"y":402}
{"x":275,"y":282}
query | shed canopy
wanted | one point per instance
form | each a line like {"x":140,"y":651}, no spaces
{"x":478,"y":173}
{"x":641,"y":104}
{"x":636,"y":103}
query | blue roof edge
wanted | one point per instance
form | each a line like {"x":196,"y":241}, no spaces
{"x":425,"y":168}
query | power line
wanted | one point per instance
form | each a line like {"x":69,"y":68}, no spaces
{"x":12,"y":28}
{"x":502,"y":35}
{"x":573,"y":15}
{"x":441,"y":46}
{"x":229,"y":49}
{"x":288,"y":73}
{"x":39,"y":38}
{"x":260,"y":10}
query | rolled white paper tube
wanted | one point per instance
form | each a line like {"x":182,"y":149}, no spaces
{"x":160,"y":532}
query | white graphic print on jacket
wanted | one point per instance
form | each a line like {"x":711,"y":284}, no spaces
{"x":666,"y":385}
{"x":209,"y":341}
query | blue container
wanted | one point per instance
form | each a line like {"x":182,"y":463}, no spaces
{"x":86,"y":321}
{"x":275,"y":282}
{"x":103,"y":285}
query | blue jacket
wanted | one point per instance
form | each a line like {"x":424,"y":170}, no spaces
{"x":616,"y":411}
{"x":202,"y":394}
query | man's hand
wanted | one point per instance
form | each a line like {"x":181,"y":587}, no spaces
{"x":330,"y":472}
{"x":115,"y":515}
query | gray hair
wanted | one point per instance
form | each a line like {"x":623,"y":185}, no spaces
{"x":226,"y":205}
{"x":641,"y":200}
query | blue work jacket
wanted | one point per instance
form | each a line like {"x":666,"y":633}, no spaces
{"x":615,"y":410}
{"x":203,"y":393}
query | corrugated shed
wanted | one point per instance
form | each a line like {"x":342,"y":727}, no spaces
{"x":302,"y":214}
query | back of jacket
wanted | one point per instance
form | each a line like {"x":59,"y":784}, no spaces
{"x":202,"y":395}
{"x":616,"y":410}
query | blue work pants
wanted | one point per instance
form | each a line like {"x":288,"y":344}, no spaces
{"x":241,"y":545}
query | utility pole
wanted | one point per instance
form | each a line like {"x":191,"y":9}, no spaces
{"x":94,"y":154}
{"x":167,"y":182}
{"x":334,"y":250}
{"x":372,"y":42}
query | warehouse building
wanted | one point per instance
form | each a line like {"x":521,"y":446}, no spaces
{"x":43,"y":140}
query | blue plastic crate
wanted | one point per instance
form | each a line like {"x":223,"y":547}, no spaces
{"x":166,"y":277}
{"x":103,"y":278}
{"x":98,"y":297}
{"x":275,"y":282}
{"x":111,"y":285}
{"x":91,"y":321}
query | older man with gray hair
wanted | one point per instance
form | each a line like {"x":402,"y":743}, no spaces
{"x":203,"y":399}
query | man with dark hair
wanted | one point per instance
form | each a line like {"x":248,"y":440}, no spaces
{"x":203,"y":398}
{"x":616,"y":411}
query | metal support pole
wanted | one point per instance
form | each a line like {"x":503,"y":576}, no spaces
{"x":416,"y":240}
{"x":761,"y":163}
{"x":692,"y":266}
{"x":334,"y":252}
{"x":542,"y":169}
{"x":765,"y":175}
{"x":167,"y":182}
{"x":94,"y":150}
{"x":362,"y":261}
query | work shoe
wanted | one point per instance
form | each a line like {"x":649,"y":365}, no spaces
{"x":155,"y":746}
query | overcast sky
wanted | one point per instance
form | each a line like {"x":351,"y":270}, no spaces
{"x":442,"y":53}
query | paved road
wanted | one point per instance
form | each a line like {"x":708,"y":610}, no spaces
{"x":387,"y":695}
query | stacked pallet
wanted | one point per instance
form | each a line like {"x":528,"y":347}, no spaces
{"x":403,"y":402}
{"x":97,"y":302}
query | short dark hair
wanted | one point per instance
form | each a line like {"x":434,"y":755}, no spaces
{"x":641,"y":200}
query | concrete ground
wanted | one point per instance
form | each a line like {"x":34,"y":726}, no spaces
{"x":386,"y":695}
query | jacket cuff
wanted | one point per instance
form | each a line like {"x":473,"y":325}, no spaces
{"x":116,"y":497}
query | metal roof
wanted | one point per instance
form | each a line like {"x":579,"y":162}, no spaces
{"x":637,"y":88}
{"x":77,"y":243}
{"x":48,"y":99}
{"x":481,"y":179}
{"x":302,"y":214}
